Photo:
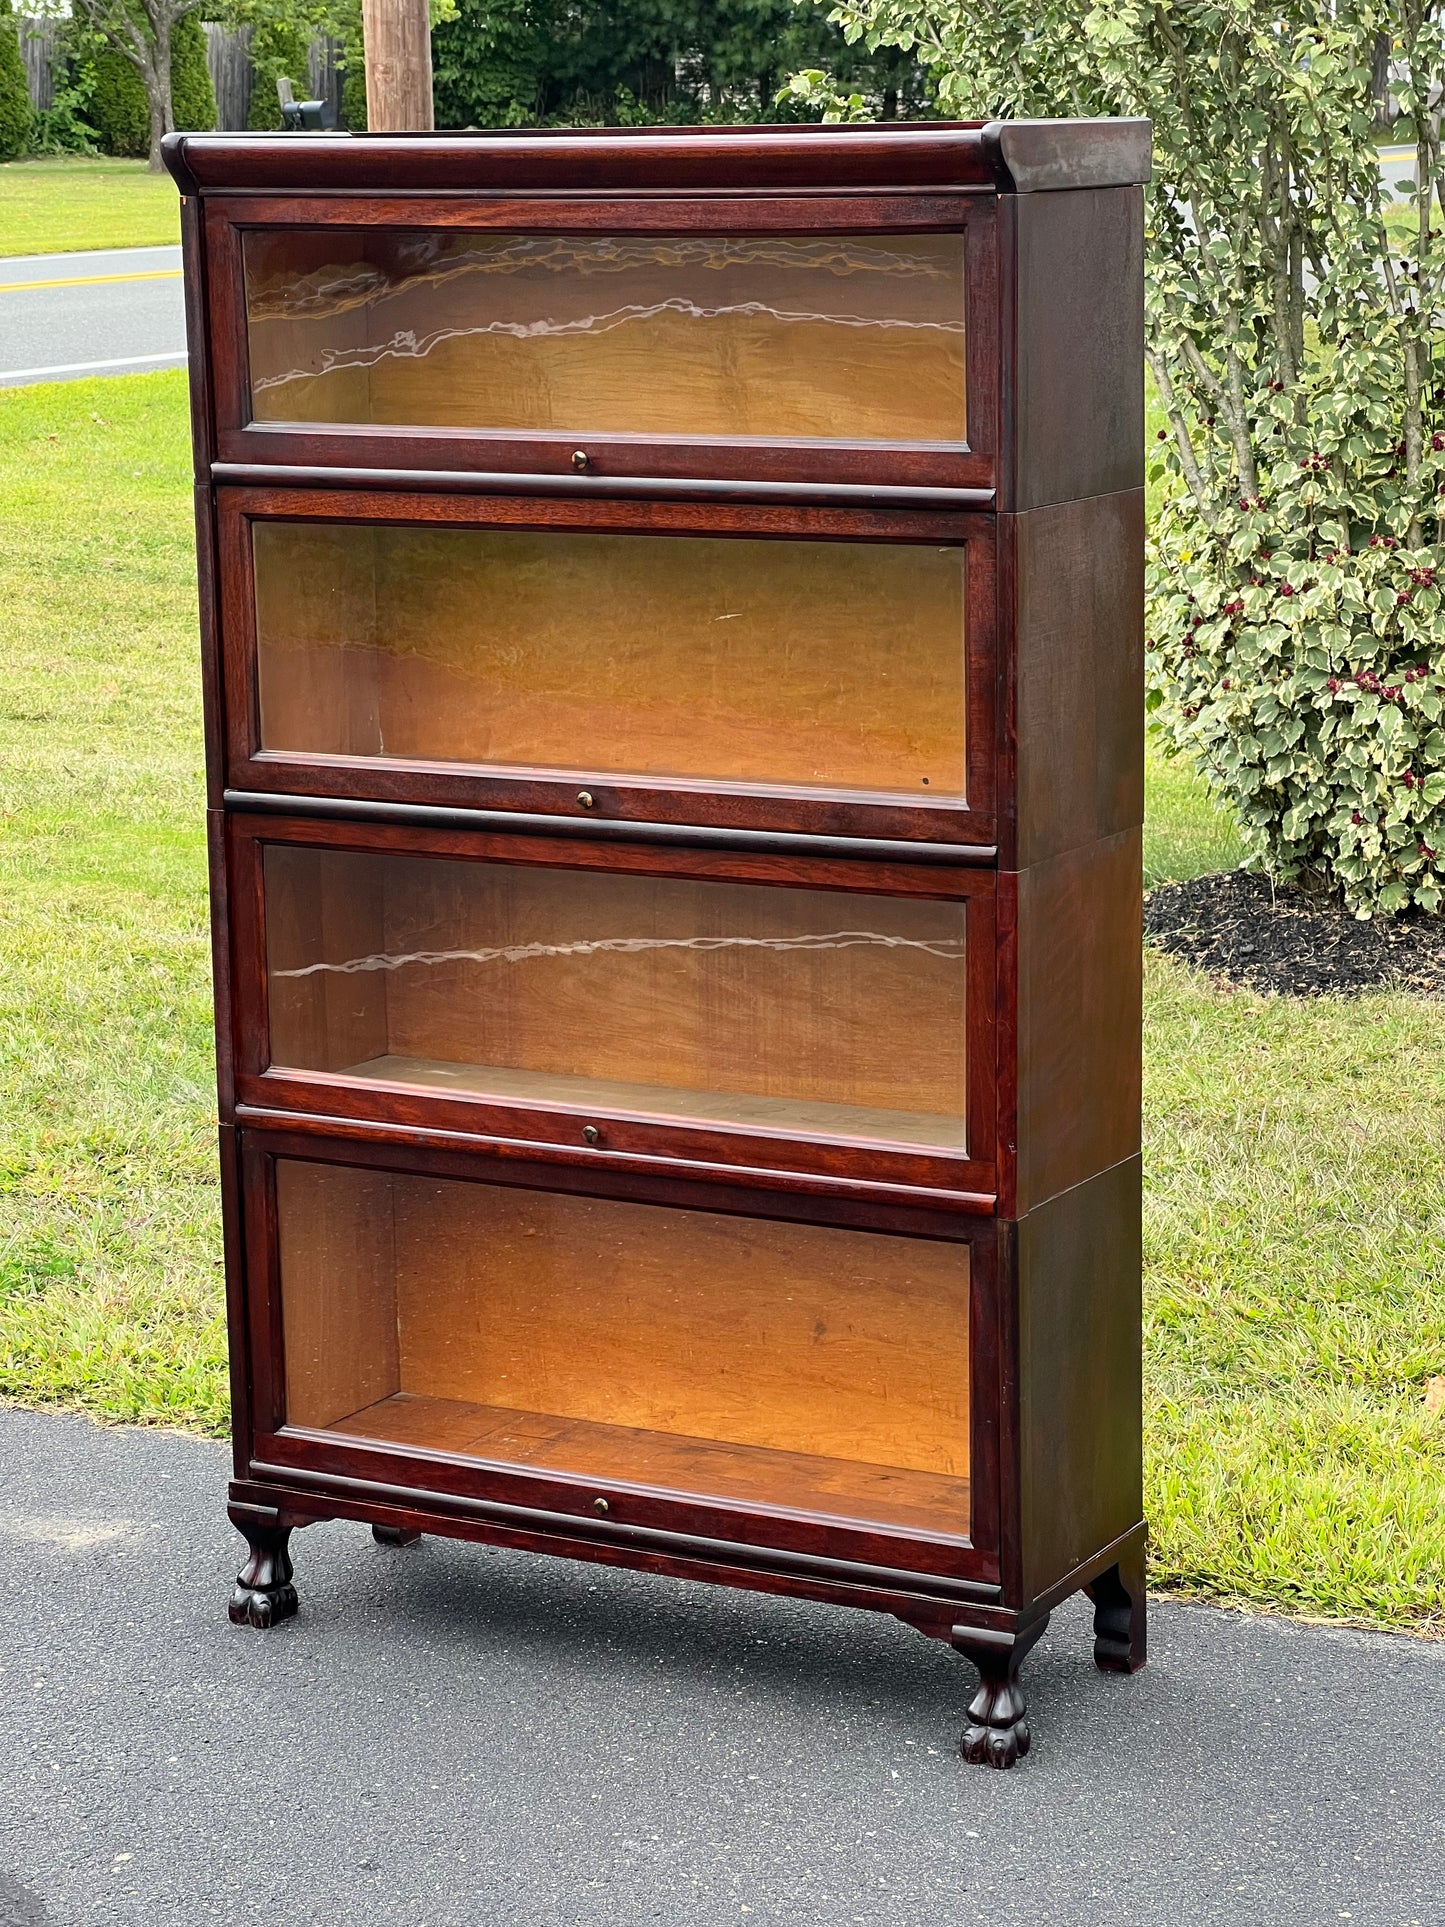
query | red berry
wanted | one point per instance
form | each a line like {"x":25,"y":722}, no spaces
{"x":1355,"y":817}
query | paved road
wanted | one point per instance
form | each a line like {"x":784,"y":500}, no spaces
{"x":116,"y":312}
{"x":451,"y":1738}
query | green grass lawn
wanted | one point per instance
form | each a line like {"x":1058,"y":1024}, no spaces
{"x":1295,"y":1233}
{"x":79,"y":201}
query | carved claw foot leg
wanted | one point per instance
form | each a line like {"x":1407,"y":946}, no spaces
{"x":264,"y":1595}
{"x":997,"y":1733}
{"x":1121,"y":1640}
{"x":394,"y":1536}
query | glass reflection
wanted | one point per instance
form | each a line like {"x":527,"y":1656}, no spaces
{"x":754,"y":1006}
{"x":852,"y":337}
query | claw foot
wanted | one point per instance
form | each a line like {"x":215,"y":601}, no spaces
{"x":264,"y":1594}
{"x":997,"y":1733}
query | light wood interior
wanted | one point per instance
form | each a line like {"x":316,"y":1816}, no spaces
{"x":746,"y":1004}
{"x":337,"y":1248}
{"x":829,"y":337}
{"x":839,"y":664}
{"x":794,"y":1116}
{"x":797,"y":1481}
{"x":794,"y":1365}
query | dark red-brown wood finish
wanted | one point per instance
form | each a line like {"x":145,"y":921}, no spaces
{"x":1001,"y":1210}
{"x":781,"y":469}
{"x":839,"y":1160}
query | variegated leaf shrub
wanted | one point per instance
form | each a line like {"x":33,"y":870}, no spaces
{"x":1294,"y":334}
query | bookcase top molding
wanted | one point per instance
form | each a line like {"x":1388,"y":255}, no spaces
{"x":1002,"y":157}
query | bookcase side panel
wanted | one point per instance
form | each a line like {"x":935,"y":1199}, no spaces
{"x":1079,"y":989}
{"x":1076,"y":575}
{"x":1077,"y":380}
{"x":1080,"y":1377}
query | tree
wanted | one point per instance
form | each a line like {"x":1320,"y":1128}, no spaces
{"x":526,"y":62}
{"x":1295,"y":343}
{"x":117,"y":102}
{"x":143,"y":34}
{"x":280,"y":49}
{"x":17,"y":116}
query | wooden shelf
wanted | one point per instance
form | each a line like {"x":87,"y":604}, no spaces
{"x":876,"y":1494}
{"x":792,"y":1116}
{"x":727,"y":659}
{"x":802,"y":1011}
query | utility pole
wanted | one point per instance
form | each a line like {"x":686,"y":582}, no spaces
{"x":397,"y":38}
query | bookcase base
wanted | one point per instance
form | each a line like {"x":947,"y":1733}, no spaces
{"x":995,"y":1638}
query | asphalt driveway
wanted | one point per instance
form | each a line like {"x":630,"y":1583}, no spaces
{"x":446,"y":1735}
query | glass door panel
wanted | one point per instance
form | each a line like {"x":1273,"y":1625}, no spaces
{"x":797,"y":1366}
{"x":809,"y":1012}
{"x":757,"y":336}
{"x":837,"y":664}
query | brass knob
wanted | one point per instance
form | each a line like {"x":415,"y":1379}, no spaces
{"x":600,"y":1506}
{"x":579,"y":459}
{"x":591,"y":1134}
{"x":585,"y":798}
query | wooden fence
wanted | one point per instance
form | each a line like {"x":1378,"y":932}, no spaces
{"x":232,"y":74}
{"x":38,"y":41}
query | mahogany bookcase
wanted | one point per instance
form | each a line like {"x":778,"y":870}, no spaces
{"x":672,"y":622}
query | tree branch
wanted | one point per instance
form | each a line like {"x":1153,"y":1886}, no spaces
{"x":1188,"y":459}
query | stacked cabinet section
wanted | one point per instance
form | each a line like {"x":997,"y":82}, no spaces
{"x":677,"y":1001}
{"x":670,"y":639}
{"x":765,"y":336}
{"x":782,"y":1367}
{"x":816,"y":670}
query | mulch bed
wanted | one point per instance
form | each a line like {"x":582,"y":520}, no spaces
{"x":1237,"y":925}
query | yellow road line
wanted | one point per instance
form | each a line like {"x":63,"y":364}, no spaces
{"x":92,"y":280}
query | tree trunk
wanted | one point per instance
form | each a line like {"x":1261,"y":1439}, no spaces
{"x":397,"y":37}
{"x":1380,"y":81}
{"x":157,"y":77}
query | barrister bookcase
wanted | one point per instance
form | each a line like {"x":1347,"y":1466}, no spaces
{"x":672,"y":610}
